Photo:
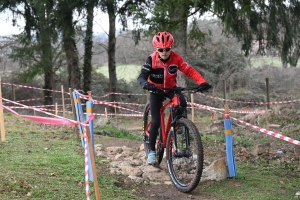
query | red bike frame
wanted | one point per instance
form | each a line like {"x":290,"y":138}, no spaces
{"x":165,"y":127}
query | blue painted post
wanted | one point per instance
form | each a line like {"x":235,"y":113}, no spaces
{"x":80,"y":118}
{"x":89,"y":109}
{"x":229,"y":143}
{"x":79,"y":115}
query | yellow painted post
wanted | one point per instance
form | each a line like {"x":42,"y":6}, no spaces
{"x":63,"y":100}
{"x":1,"y":115}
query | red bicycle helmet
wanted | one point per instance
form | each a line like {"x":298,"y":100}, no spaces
{"x":163,"y":40}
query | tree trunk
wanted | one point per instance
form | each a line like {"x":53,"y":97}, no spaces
{"x":46,"y":57}
{"x":72,"y":60}
{"x":48,"y":86}
{"x":283,"y":61}
{"x":111,"y":53}
{"x":88,"y":46}
{"x":296,"y":54}
{"x":180,"y":37}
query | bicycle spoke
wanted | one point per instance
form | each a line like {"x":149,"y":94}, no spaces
{"x":185,"y":166}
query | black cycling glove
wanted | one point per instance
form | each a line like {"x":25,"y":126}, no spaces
{"x":203,"y":87}
{"x":150,"y":87}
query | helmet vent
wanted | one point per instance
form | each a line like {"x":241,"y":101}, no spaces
{"x":168,"y":37}
{"x":157,"y":38}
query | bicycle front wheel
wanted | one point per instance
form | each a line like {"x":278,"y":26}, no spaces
{"x":185,"y":158}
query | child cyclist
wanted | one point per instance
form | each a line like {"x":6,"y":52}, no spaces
{"x":160,"y":70}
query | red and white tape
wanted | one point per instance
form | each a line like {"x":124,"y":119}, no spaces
{"x":125,"y":115}
{"x":232,"y":111}
{"x":133,"y":94}
{"x":263,"y":130}
{"x":87,"y":189}
{"x":268,"y":132}
{"x":251,"y":102}
{"x":112,"y":105}
{"x":25,"y":86}
{"x":118,"y":93}
{"x":41,"y":110}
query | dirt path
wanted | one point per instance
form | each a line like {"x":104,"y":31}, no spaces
{"x":160,"y":191}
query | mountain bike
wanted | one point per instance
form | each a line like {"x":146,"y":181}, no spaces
{"x":181,"y":139}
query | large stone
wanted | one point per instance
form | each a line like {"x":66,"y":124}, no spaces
{"x":217,"y":170}
{"x":132,"y":162}
{"x":114,"y":150}
{"x":257,"y":150}
{"x":136,"y":179}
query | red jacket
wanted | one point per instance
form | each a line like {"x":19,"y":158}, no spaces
{"x":164,"y":74}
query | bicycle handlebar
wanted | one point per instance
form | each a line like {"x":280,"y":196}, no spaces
{"x":178,"y":89}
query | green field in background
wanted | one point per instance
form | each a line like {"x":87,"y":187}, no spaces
{"x":260,"y":61}
{"x":130,"y":72}
{"x":126,"y":72}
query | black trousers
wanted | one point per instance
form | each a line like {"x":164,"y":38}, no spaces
{"x":156,"y":102}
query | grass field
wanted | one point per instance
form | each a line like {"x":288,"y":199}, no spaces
{"x":260,"y":61}
{"x":130,"y":72}
{"x":46,"y":162}
{"x":126,"y":72}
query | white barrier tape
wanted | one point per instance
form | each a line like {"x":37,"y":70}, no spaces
{"x":118,"y":93}
{"x":272,"y":133}
{"x":232,"y":111}
{"x":126,"y":115}
{"x":25,"y":86}
{"x":128,"y":94}
{"x":251,"y":102}
{"x":40,"y":110}
{"x":86,"y":167}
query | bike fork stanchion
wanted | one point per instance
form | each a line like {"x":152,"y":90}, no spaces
{"x":229,"y":143}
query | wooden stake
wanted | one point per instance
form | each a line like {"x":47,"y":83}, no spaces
{"x":1,"y":115}
{"x":63,"y":100}
{"x":115,"y":111}
{"x":13,"y":93}
{"x":96,"y":186}
{"x":56,"y":112}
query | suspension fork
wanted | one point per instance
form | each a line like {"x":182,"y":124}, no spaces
{"x":172,"y":123}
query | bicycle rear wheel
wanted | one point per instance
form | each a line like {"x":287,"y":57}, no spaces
{"x":186,"y":164}
{"x":146,"y":127}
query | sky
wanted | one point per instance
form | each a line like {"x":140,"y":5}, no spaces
{"x":6,"y":27}
{"x":101,"y":24}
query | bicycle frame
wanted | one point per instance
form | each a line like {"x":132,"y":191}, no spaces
{"x":175,"y":126}
{"x":165,"y":127}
